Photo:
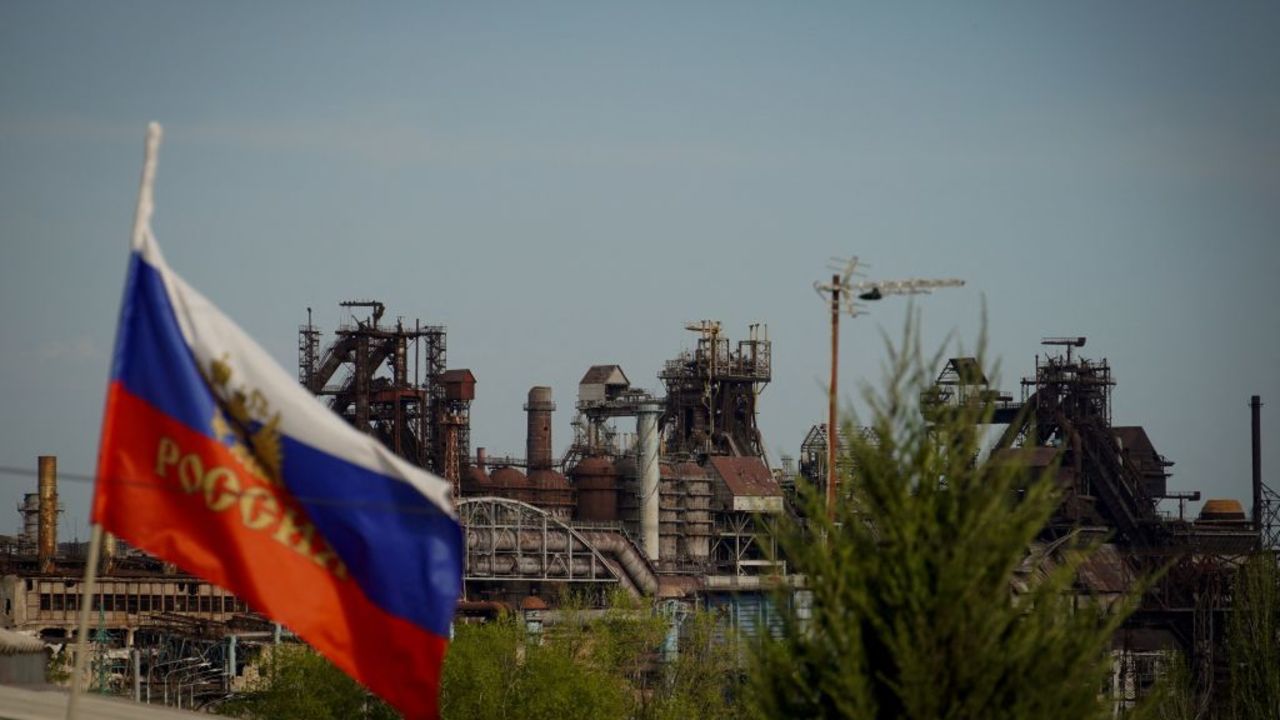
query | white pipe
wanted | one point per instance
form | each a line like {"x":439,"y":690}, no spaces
{"x":647,"y":439}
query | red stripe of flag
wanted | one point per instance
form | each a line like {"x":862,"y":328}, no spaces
{"x":184,"y":497}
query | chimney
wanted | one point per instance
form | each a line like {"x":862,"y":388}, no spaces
{"x":47,"y":543}
{"x":538,"y":448}
{"x":1255,"y":406}
{"x":480,"y":458}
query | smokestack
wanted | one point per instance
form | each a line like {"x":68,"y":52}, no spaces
{"x":1255,"y":406}
{"x":538,"y":447}
{"x":47,"y":543}
{"x":480,"y":458}
{"x":647,"y":439}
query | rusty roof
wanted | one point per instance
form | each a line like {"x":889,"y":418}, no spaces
{"x":460,"y":375}
{"x":746,"y":476}
{"x":507,"y":476}
{"x":605,"y":375}
{"x":1106,"y":571}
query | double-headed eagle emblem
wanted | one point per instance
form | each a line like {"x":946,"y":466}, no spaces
{"x":244,"y":422}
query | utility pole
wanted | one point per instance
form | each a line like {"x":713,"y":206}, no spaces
{"x":845,"y":296}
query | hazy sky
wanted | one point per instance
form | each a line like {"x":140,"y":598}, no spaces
{"x":563,"y":184}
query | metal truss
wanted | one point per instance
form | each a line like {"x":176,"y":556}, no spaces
{"x":740,"y":547}
{"x":508,"y":540}
{"x":1270,"y":530}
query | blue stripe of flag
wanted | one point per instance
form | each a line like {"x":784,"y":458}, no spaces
{"x":405,"y":553}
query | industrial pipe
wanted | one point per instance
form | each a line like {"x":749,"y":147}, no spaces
{"x":47,"y":544}
{"x":483,"y":539}
{"x":529,"y":566}
{"x":637,"y":569}
{"x":647,"y":438}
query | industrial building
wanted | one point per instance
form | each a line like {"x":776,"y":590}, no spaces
{"x":150,"y":619}
{"x":658,"y":494}
{"x":1112,"y":482}
{"x":663,"y":493}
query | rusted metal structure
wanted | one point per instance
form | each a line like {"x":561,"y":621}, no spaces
{"x":692,"y":484}
{"x":453,"y":418}
{"x":1112,"y":480}
{"x":674,"y":508}
{"x":395,"y":385}
{"x":550,"y":488}
{"x":815,"y":454}
{"x":1266,"y":502}
{"x":683,"y":492}
{"x":712,"y":392}
{"x":513,"y":543}
{"x":596,"y":479}
{"x":47,"y":533}
{"x":538,"y":436}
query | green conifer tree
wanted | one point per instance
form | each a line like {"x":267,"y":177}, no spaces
{"x":913,"y":615}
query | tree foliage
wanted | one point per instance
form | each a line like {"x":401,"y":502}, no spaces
{"x":1253,"y":640}
{"x":1252,"y":652}
{"x":297,"y":683}
{"x":1174,"y":696}
{"x":590,"y":664}
{"x":497,"y":670}
{"x":704,"y":681}
{"x":913,"y":614}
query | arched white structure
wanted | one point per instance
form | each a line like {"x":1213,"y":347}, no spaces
{"x":510,"y":540}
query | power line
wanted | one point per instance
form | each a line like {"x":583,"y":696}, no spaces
{"x":398,"y":508}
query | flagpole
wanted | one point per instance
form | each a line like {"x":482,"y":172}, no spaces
{"x":141,"y":226}
{"x":86,"y":603}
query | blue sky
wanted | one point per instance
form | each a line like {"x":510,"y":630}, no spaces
{"x":563,"y":184}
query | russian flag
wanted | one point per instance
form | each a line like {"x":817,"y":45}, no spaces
{"x":216,"y":459}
